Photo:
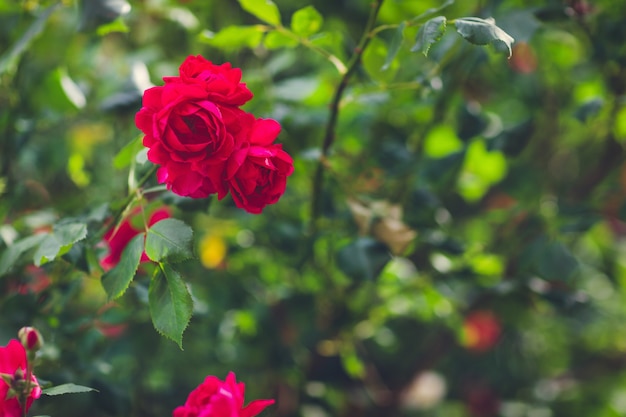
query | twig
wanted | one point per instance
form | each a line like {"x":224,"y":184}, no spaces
{"x":331,"y":125}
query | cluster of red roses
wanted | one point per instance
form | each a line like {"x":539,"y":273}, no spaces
{"x":19,"y":386}
{"x":206,"y":144}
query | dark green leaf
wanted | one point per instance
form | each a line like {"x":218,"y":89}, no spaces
{"x":513,"y":140}
{"x":13,"y":253}
{"x":429,"y":33}
{"x":589,"y":109}
{"x":95,"y":13}
{"x":171,"y":305}
{"x":483,"y":32}
{"x":9,"y":61}
{"x":265,"y":10}
{"x":117,"y":280}
{"x":363,"y":259}
{"x":59,"y":241}
{"x":169,"y":240}
{"x":67,"y":389}
{"x":394,"y":47}
{"x":306,"y":21}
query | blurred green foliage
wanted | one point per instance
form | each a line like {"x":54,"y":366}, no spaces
{"x":455,"y":181}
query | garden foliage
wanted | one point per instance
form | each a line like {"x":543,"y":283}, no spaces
{"x":360,"y":208}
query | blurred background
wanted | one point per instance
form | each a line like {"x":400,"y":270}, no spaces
{"x":469,"y":255}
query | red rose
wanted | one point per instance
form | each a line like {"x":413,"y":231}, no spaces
{"x":217,"y":398}
{"x":205,"y":144}
{"x":257,"y":172}
{"x":13,"y":363}
{"x":118,"y":238}
{"x":189,"y":125}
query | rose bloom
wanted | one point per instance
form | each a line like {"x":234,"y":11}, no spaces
{"x":257,"y":172}
{"x":189,"y":125}
{"x":217,"y":398}
{"x":118,"y":238}
{"x":13,"y":362}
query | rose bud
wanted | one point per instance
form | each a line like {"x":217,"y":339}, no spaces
{"x":31,"y":338}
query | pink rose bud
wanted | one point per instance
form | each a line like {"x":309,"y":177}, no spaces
{"x":31,"y":338}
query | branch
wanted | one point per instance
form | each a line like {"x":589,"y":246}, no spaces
{"x":331,"y":125}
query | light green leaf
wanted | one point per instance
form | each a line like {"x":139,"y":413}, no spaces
{"x":306,"y":21}
{"x":233,"y":38}
{"x":67,"y":389}
{"x":394,"y":47}
{"x":117,"y":280}
{"x":169,"y":239}
{"x":276,"y":40}
{"x":170,"y":303}
{"x":484,"y":31}
{"x":265,"y":10}
{"x":12,"y":253}
{"x":125,"y":156}
{"x":59,"y":241}
{"x":429,"y":33}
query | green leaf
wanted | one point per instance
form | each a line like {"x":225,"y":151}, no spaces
{"x":169,"y":239}
{"x":116,"y":26}
{"x":363,"y":259}
{"x":67,"y":389}
{"x":394,"y":47}
{"x":59,"y":241}
{"x":276,"y":40}
{"x":429,"y":33}
{"x":306,"y":21}
{"x":374,"y":58}
{"x":117,"y":280}
{"x":125,"y":156}
{"x":432,"y":11}
{"x":12,"y":253}
{"x":171,"y":305}
{"x":94,"y":13}
{"x":233,"y":38}
{"x":265,"y":10}
{"x":484,"y":31}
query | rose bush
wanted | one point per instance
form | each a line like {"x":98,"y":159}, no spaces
{"x":13,"y":384}
{"x":205,"y":144}
{"x":217,"y":398}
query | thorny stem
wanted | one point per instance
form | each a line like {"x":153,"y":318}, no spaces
{"x":331,"y":125}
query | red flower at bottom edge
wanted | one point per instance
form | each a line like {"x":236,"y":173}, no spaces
{"x":12,"y":359}
{"x":217,"y":398}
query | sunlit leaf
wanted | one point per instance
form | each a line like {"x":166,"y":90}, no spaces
{"x":117,"y":280}
{"x":483,"y":32}
{"x":265,"y":10}
{"x":276,"y":40}
{"x":125,"y":156}
{"x":171,"y":305}
{"x":94,"y":13}
{"x":306,"y":21}
{"x":233,"y":38}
